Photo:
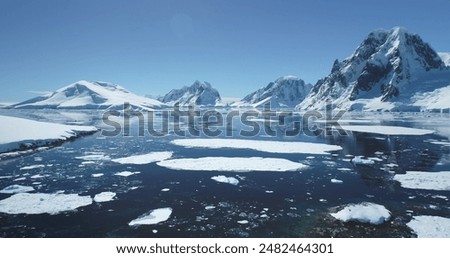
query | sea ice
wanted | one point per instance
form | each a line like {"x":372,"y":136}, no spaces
{"x":336,"y":181}
{"x":264,"y":146}
{"x":152,"y":217}
{"x":104,"y":197}
{"x":126,"y":173}
{"x":38,"y":203}
{"x":359,"y":160}
{"x":386,"y":130}
{"x":13,"y":189}
{"x":364,"y":212}
{"x":430,"y":226}
{"x":424,"y":180}
{"x":227,"y":180}
{"x":32,"y":167}
{"x":145,"y":158}
{"x":233,"y":164}
{"x":94,"y":157}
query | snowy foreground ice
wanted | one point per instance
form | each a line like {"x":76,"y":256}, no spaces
{"x":145,"y":158}
{"x":386,"y":130}
{"x":265,"y":146}
{"x":13,"y":189}
{"x":424,"y":180}
{"x":227,"y":180}
{"x":430,"y":226}
{"x":233,"y":164}
{"x":38,"y":203}
{"x":16,"y":131}
{"x":152,"y":217}
{"x":364,"y":212}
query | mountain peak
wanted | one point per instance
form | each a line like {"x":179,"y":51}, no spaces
{"x":199,"y":93}
{"x":383,"y":65}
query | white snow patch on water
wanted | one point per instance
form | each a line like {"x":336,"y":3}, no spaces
{"x":364,"y":212}
{"x":264,"y":146}
{"x":13,"y":189}
{"x":94,"y":157}
{"x":336,"y":181}
{"x":227,"y":164}
{"x":386,"y":130}
{"x":425,"y":180}
{"x":39,"y":203}
{"x":145,"y":158}
{"x":430,"y":226}
{"x":226,"y":180}
{"x":32,"y":167}
{"x":152,"y":217}
{"x":104,"y":197}
{"x":361,"y":161}
{"x":126,"y":173}
{"x":98,"y":175}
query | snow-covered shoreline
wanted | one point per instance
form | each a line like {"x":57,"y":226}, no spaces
{"x":23,"y":134}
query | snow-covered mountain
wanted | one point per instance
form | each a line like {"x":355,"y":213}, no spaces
{"x":199,"y":93}
{"x":286,"y":91}
{"x":385,"y":72}
{"x":90,"y":95}
{"x":445,"y":57}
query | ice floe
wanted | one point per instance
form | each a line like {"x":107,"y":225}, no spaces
{"x":104,"y":197}
{"x":264,"y":146}
{"x":126,"y":173}
{"x":97,"y":175}
{"x":13,"y":189}
{"x":361,"y":161}
{"x":94,"y":157}
{"x":425,"y":180}
{"x":233,"y":164}
{"x":152,"y":217}
{"x":386,"y":130}
{"x":39,"y":203}
{"x":165,"y":189}
{"x":364,"y":212}
{"x":227,"y":180}
{"x":430,"y":226}
{"x":32,"y":167}
{"x":336,"y":181}
{"x":145,"y":158}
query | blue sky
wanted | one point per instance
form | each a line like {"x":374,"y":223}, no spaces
{"x":150,"y":47}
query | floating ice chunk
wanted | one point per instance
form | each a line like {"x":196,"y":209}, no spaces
{"x":20,"y":179}
{"x":13,"y":189}
{"x":430,"y":226}
{"x":375,"y":159}
{"x":265,"y":146}
{"x":104,"y":197}
{"x":210,"y":207}
{"x":94,"y":157}
{"x":37,"y":176}
{"x":233,"y":164}
{"x":336,"y":181}
{"x":361,"y":161}
{"x":38,"y":203}
{"x":224,"y":179}
{"x":387,"y":130}
{"x":269,"y":192}
{"x":441,"y":143}
{"x":126,"y":173}
{"x":425,"y":180}
{"x":344,"y":169}
{"x":152,"y":217}
{"x":5,"y":177}
{"x":242,"y":222}
{"x":98,"y":175}
{"x":32,"y":167}
{"x":145,"y":158}
{"x":364,"y":212}
{"x":165,"y":189}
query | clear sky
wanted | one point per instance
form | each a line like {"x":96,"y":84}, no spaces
{"x":150,"y":47}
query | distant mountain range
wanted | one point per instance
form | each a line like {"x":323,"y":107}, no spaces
{"x":391,"y":70}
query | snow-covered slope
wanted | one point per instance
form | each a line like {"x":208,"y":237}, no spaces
{"x":445,"y":57}
{"x":286,"y":91}
{"x":18,"y":133}
{"x":384,"y":72}
{"x":199,"y":93}
{"x":437,"y":100}
{"x":90,"y":95}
